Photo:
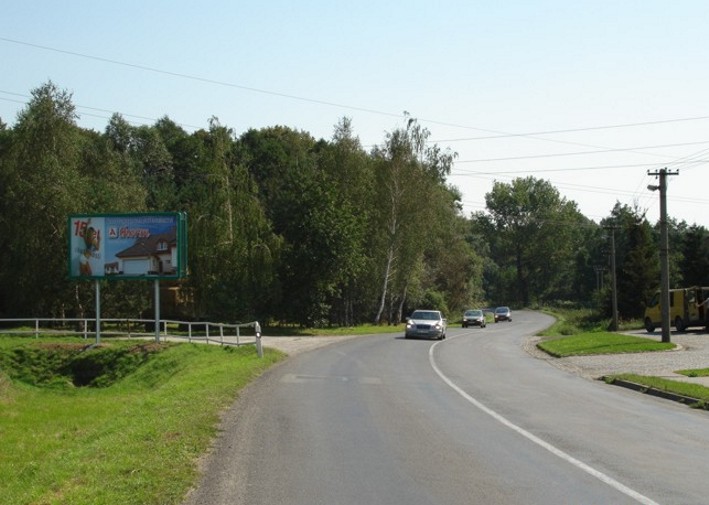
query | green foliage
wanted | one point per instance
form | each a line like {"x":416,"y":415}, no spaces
{"x":636,"y":259}
{"x":694,"y":247}
{"x":285,"y":227}
{"x":41,"y":184}
{"x":70,"y":363}
{"x":694,"y":372}
{"x":534,"y":235}
{"x":134,"y":442}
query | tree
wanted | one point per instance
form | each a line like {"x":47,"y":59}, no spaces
{"x":637,"y":261}
{"x":535,"y":235}
{"x":408,"y":180}
{"x":347,"y":170}
{"x":456,"y":266}
{"x":312,"y":213}
{"x":233,"y":253}
{"x":695,"y":253}
{"x":41,"y":186}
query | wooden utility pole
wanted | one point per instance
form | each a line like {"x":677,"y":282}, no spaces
{"x":664,"y":251}
{"x":614,"y":286}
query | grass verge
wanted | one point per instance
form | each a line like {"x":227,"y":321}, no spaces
{"x":694,"y":391}
{"x":132,"y":438}
{"x":600,"y":343}
{"x":568,"y":338}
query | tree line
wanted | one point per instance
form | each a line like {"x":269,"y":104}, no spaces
{"x":287,"y":228}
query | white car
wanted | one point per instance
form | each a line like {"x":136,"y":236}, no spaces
{"x":426,"y":324}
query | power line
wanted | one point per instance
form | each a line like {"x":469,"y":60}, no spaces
{"x":464,"y":172}
{"x":201,"y":79}
{"x":571,"y":130}
{"x":577,"y":153}
{"x":498,"y":133}
{"x":597,"y":189}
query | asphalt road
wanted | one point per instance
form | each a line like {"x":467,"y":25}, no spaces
{"x":472,"y":419}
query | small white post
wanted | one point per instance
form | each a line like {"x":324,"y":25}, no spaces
{"x":259,"y":349}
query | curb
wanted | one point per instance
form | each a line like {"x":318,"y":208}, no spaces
{"x":648,"y":390}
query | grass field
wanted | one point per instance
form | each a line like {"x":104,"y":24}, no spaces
{"x":131,"y":435}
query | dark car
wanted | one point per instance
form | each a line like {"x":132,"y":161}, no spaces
{"x":426,"y":324}
{"x":474,"y":318}
{"x":503,"y":314}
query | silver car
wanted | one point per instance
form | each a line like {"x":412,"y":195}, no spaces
{"x":503,"y":314}
{"x":426,"y":324}
{"x":474,"y":318}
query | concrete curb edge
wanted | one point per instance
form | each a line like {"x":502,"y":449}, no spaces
{"x":686,"y":400}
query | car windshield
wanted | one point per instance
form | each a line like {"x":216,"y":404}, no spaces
{"x":424,"y":314}
{"x":473,"y":313}
{"x":502,"y":309}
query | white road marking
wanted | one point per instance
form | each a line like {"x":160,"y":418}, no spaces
{"x":291,"y":378}
{"x":533,"y":438}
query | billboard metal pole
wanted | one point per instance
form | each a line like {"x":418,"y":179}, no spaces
{"x":98,"y":311}
{"x":157,"y":309}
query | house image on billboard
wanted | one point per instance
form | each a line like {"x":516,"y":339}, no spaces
{"x":154,"y":255}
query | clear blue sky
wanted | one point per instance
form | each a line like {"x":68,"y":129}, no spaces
{"x":468,"y":70}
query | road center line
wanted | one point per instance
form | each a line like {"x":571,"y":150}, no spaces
{"x":533,"y":438}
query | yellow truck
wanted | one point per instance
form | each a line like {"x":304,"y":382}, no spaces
{"x":688,"y":307}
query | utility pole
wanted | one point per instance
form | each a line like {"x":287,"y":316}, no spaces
{"x":664,"y":250}
{"x":599,"y":277}
{"x":614,"y":287}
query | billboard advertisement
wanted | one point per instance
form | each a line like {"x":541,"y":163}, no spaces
{"x":128,"y":246}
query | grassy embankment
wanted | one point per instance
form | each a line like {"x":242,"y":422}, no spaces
{"x":574,"y":334}
{"x":120,"y":424}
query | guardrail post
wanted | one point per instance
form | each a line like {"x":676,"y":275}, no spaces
{"x":36,"y":328}
{"x":221,"y":333}
{"x":259,"y":349}
{"x":189,"y":332}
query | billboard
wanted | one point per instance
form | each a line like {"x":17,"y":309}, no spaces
{"x":128,"y":246}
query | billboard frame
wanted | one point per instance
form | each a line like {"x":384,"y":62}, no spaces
{"x":138,"y":226}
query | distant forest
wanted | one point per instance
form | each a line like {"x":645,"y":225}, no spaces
{"x":287,"y":228}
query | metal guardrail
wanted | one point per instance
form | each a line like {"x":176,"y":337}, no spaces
{"x":205,"y":332}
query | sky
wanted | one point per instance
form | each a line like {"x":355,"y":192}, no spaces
{"x":594,"y":96}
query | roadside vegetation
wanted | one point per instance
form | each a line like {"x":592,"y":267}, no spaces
{"x":120,"y":423}
{"x":287,"y":228}
{"x":601,"y":343}
{"x":580,"y":332}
